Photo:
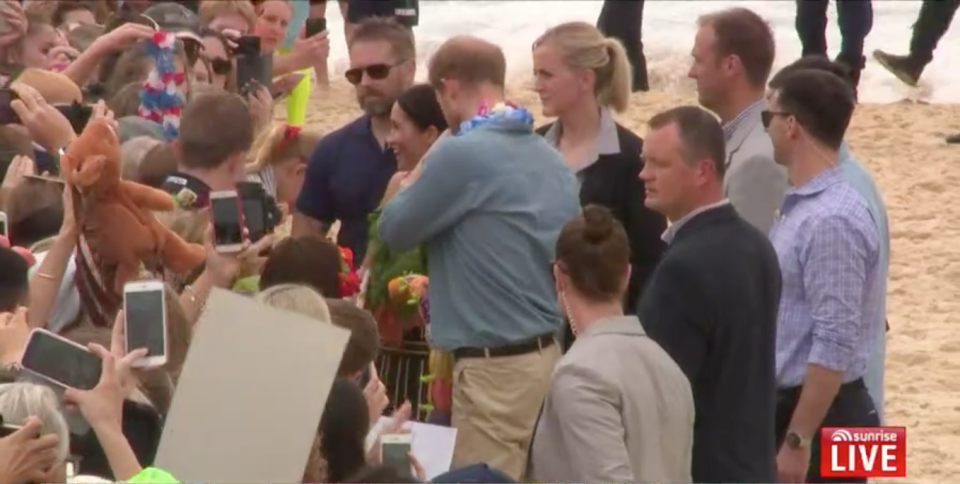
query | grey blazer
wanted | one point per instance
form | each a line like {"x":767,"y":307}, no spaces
{"x":619,"y":410}
{"x":754,"y":183}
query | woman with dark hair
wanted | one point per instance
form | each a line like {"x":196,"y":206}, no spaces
{"x":416,"y":122}
{"x":619,"y":408}
{"x":341,"y":452}
{"x":396,"y":281}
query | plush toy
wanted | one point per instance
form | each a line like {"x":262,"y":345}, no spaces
{"x":116,"y":219}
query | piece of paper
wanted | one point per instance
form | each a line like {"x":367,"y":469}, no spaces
{"x":251,"y":394}
{"x":432,"y":445}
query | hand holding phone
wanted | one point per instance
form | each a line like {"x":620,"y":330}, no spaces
{"x":314,"y":26}
{"x":395,"y":451}
{"x":145,"y":321}
{"x":60,"y":361}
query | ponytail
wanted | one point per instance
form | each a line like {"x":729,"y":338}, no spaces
{"x":614,"y":89}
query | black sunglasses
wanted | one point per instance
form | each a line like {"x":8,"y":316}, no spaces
{"x":220,"y":66}
{"x":766,"y":116}
{"x":192,"y":49}
{"x":376,"y":72}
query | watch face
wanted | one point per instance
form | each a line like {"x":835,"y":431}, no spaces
{"x":793,"y":440}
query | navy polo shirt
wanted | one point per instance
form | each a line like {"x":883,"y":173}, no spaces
{"x":346,"y":178}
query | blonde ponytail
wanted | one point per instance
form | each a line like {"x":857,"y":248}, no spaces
{"x":614,"y":90}
{"x":582,"y":46}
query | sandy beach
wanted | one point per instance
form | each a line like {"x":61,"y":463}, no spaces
{"x":902,"y":145}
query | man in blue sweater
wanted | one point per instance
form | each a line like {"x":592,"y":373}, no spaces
{"x":488,"y":200}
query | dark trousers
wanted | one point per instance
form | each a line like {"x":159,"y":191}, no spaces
{"x":852,"y":407}
{"x":932,"y":22}
{"x":623,"y":20}
{"x":855,"y":18}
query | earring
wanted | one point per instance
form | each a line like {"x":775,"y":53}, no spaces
{"x":566,"y":308}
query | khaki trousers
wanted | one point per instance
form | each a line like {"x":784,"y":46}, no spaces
{"x":496,"y":402}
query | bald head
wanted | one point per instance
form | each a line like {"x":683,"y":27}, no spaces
{"x":468,"y":60}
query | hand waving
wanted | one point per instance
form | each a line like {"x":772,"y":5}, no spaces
{"x":24,"y":457}
{"x":103,"y":406}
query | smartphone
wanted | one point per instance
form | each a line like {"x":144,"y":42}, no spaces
{"x":78,"y":115}
{"x":145,"y":311}
{"x":3,"y":225}
{"x":60,"y":361}
{"x":395,"y":451}
{"x":7,"y":114}
{"x":227,"y":221}
{"x":315,"y":26}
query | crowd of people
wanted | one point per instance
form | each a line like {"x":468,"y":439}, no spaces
{"x":691,"y":306}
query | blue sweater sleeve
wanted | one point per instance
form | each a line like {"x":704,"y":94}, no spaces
{"x":445,"y":192}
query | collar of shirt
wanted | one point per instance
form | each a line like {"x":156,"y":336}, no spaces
{"x":671,"y":231}
{"x":810,"y":188}
{"x":607,"y":141}
{"x":731,"y":127}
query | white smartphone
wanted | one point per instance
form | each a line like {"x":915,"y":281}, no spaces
{"x":395,"y":451}
{"x":146,"y":321}
{"x":3,"y":224}
{"x":227,"y":221}
{"x":60,"y":361}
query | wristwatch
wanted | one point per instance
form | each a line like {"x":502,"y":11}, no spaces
{"x":795,"y":441}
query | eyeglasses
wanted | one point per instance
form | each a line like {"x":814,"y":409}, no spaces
{"x":376,"y":72}
{"x":766,"y":116}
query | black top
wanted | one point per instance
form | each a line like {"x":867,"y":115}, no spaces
{"x":613,"y":181}
{"x":712,"y":305}
{"x":180,"y":182}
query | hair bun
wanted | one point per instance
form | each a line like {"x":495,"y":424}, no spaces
{"x":598,"y":224}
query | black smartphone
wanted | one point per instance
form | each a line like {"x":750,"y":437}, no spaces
{"x":7,"y":114}
{"x":227,"y":221}
{"x":78,"y":115}
{"x":60,"y":361}
{"x":315,"y":26}
{"x":253,"y":67}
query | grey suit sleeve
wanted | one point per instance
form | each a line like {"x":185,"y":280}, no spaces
{"x":755,"y":186}
{"x":588,"y":411}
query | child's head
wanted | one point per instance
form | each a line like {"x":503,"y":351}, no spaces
{"x":283,"y":151}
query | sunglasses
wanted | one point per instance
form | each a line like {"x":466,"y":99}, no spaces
{"x":220,"y":66}
{"x":376,"y":72}
{"x":767,"y":116}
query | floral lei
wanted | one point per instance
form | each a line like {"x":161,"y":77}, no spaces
{"x":503,"y":110}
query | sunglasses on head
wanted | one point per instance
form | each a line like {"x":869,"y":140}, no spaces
{"x":376,"y":72}
{"x":766,"y":116}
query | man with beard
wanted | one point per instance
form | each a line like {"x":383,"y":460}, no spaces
{"x":348,"y":171}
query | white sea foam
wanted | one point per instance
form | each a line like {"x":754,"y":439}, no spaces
{"x":668,"y":30}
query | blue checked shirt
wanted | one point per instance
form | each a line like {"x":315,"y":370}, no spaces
{"x":832,"y":299}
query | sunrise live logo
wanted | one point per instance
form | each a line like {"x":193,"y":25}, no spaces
{"x":863,"y":452}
